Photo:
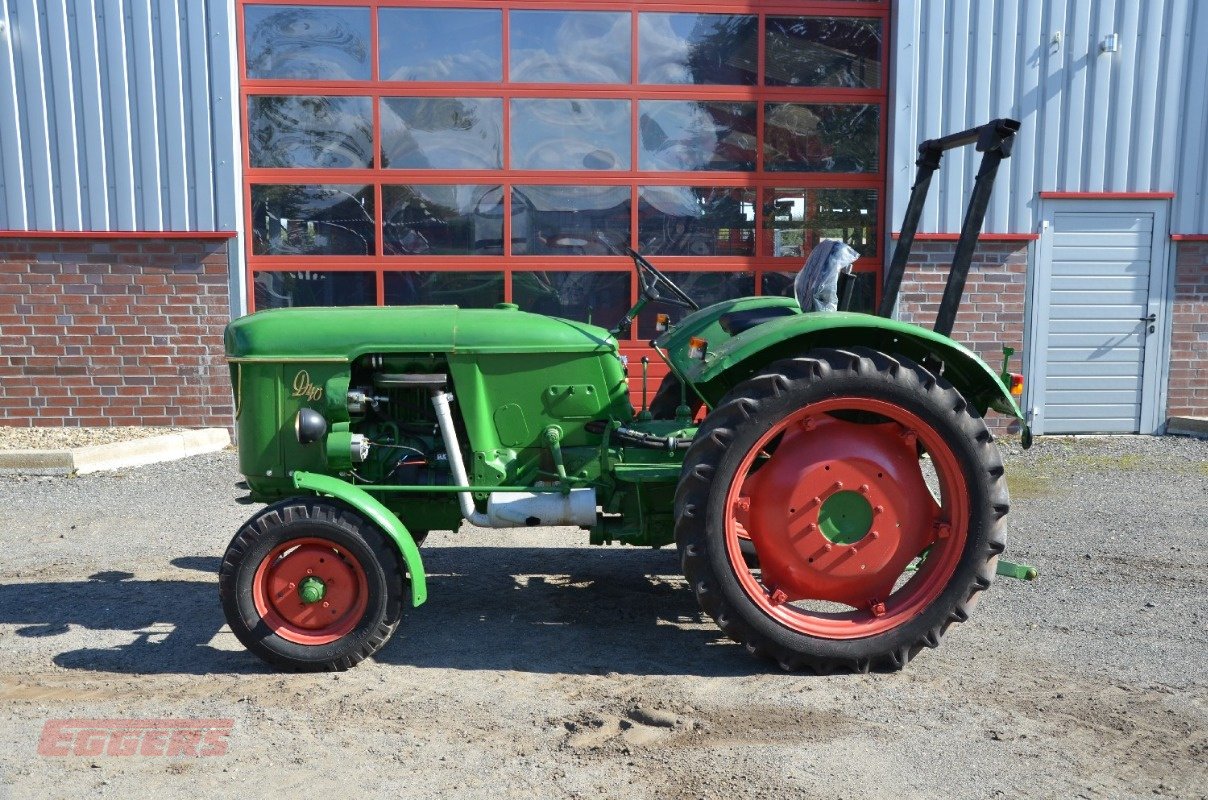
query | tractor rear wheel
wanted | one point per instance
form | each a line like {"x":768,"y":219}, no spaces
{"x":874,"y":499}
{"x":310,"y":585}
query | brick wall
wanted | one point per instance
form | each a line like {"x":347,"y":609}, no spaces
{"x":113,"y":332}
{"x":1187,"y":395}
{"x":992,"y":312}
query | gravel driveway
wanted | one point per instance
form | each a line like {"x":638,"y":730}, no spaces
{"x":543,"y":667}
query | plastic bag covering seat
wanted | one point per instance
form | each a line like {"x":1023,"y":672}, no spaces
{"x":817,"y":284}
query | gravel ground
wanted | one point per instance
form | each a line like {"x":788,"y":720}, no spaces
{"x":543,"y":667}
{"x":67,"y":438}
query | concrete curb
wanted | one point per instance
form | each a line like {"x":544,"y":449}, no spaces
{"x":1188,"y":426}
{"x":82,"y":460}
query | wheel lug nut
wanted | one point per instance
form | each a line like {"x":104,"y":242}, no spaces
{"x":877,"y":608}
{"x":837,"y":485}
{"x":864,"y":488}
{"x":778,"y":597}
{"x":879,"y":510}
{"x":326,"y":604}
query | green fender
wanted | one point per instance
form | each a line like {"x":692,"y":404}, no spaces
{"x":737,"y":358}
{"x":381,"y":516}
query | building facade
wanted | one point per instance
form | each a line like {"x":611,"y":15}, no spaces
{"x":165,"y":164}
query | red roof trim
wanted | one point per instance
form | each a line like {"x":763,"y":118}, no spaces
{"x":118,"y":234}
{"x":985,"y":237}
{"x":1106,"y":195}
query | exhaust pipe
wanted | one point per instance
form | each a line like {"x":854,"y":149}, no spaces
{"x":511,"y":509}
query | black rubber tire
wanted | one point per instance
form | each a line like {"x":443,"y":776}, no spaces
{"x":300,"y":517}
{"x":667,"y":399}
{"x":748,"y":411}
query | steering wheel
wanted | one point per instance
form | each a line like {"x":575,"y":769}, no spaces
{"x":651,"y":277}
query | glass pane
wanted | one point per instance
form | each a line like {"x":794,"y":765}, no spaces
{"x":307,"y":42}
{"x":440,"y":44}
{"x":864,"y":293}
{"x":465,"y":289}
{"x":570,"y":134}
{"x":797,"y":219}
{"x":696,"y":135}
{"x":706,"y":288}
{"x":565,"y":220}
{"x":442,"y":220}
{"x":309,"y":288}
{"x":312,"y":220}
{"x":442,"y":133}
{"x":601,"y":298}
{"x":800,"y":137}
{"x":696,"y":221}
{"x":324,"y":132}
{"x":569,"y":47}
{"x":823,"y":51}
{"x":698,"y":48}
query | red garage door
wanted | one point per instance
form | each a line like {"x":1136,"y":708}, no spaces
{"x":407,"y":153}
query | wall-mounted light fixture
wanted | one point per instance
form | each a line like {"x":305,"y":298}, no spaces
{"x":1110,"y":43}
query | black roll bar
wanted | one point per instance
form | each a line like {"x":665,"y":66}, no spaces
{"x":994,"y":140}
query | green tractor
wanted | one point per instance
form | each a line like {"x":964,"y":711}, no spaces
{"x":835,"y":497}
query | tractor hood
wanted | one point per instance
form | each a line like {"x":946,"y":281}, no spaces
{"x":342,"y":334}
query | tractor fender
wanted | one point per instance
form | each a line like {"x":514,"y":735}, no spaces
{"x":741,"y":356}
{"x":381,"y":516}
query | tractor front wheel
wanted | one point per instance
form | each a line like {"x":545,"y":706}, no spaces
{"x":309,"y":585}
{"x":872,"y":495}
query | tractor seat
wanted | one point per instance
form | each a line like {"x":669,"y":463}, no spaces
{"x":736,"y":322}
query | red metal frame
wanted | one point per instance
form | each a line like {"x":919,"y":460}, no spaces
{"x":759,"y":180}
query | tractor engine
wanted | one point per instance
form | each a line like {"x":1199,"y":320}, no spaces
{"x":395,"y":433}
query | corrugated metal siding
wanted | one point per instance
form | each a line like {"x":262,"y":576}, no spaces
{"x":1131,"y":121}
{"x":117,"y":115}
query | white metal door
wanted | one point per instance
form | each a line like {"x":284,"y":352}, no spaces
{"x":1096,"y":317}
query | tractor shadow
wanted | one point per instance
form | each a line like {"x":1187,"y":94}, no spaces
{"x":539,"y":609}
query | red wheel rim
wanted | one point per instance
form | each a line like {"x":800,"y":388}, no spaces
{"x":810,"y":554}
{"x":321,"y":567}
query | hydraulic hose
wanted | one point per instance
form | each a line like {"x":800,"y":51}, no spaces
{"x":635,"y":438}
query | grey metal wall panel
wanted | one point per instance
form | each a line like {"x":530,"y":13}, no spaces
{"x":1131,"y":121}
{"x":110,"y":117}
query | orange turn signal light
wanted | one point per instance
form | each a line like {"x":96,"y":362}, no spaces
{"x":662,"y":322}
{"x":697,"y":347}
{"x":1016,"y":384}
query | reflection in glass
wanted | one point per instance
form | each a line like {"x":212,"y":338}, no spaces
{"x":444,"y":220}
{"x":312,"y":220}
{"x":706,"y":288}
{"x":307,"y":42}
{"x":465,"y":289}
{"x":823,"y":51}
{"x":323,"y":132}
{"x":442,"y":133}
{"x":570,"y":134}
{"x":565,"y":220}
{"x":601,"y":298}
{"x":440,"y":44}
{"x":696,"y":135}
{"x":696,"y":221}
{"x":569,"y":47}
{"x":698,"y":48}
{"x":801,"y":137}
{"x":864,"y":293}
{"x":306,"y":288}
{"x":797,"y":219}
